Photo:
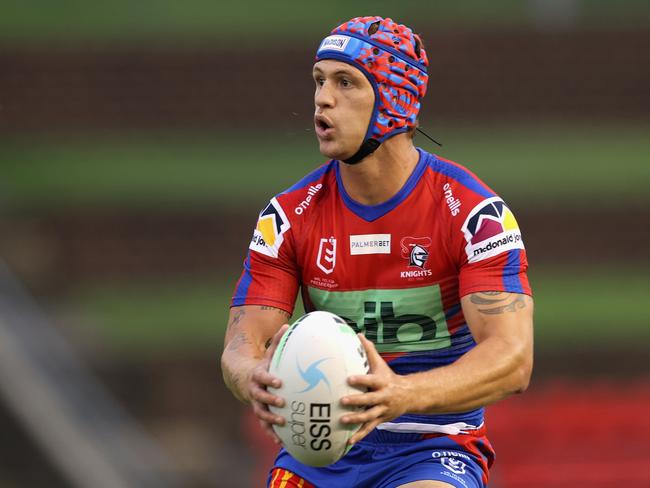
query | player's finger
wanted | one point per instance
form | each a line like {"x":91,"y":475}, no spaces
{"x":265,"y":397}
{"x":363,"y":431}
{"x":365,"y":416}
{"x":266,"y":427}
{"x":264,"y":378}
{"x":263,"y":413}
{"x":361,"y":399}
{"x":374,"y":359}
{"x":371,"y":381}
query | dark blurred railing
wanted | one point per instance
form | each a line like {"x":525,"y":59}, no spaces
{"x":474,"y":76}
{"x":69,"y":414}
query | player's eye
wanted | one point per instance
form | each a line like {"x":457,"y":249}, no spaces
{"x":319,"y":80}
{"x":346,"y":83}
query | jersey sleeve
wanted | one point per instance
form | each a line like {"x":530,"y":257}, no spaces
{"x":270,"y":274}
{"x":486,"y":242}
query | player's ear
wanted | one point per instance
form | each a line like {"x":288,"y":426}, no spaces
{"x":411,"y":130}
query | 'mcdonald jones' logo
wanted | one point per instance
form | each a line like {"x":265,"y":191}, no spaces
{"x":326,"y":259}
{"x":490,"y":229}
{"x":269,"y":232}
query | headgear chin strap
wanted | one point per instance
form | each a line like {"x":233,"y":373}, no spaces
{"x":367,"y":147}
{"x":394,"y":62}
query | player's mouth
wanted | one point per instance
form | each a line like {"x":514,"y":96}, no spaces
{"x":323,"y":126}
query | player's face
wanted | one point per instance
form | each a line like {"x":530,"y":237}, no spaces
{"x":344,"y":102}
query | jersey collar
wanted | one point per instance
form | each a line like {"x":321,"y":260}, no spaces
{"x":371,"y":213}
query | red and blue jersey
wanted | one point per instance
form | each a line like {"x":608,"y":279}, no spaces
{"x":394,"y":271}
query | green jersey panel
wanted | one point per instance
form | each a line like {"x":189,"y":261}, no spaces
{"x":396,"y":320}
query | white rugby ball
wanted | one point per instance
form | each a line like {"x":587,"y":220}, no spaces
{"x":314,"y":358}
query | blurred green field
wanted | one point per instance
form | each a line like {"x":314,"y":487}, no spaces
{"x":238,"y":23}
{"x":586,"y":306}
{"x":528,"y":164}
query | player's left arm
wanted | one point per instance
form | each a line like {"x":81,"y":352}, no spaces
{"x":499,"y":365}
{"x":502,"y":361}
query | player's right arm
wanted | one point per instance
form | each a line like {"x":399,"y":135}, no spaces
{"x":263,"y":301}
{"x":252,"y":335}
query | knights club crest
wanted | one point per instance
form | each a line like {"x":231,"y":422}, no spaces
{"x":326,"y":259}
{"x":416,"y":250}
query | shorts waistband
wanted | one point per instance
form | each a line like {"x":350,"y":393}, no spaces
{"x":383,"y":436}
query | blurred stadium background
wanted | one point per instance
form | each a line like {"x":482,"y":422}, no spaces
{"x":138,"y":141}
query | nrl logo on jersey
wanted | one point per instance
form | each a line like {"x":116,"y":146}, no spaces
{"x":268,"y":235}
{"x":490,"y":229}
{"x":326,"y":260}
{"x":416,"y":250}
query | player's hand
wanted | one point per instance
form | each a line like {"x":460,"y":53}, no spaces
{"x":260,"y":397}
{"x":384,"y":400}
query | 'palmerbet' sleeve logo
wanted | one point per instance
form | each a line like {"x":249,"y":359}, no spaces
{"x":270,"y":229}
{"x":490,"y":229}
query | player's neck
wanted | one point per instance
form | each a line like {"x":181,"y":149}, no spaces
{"x":382,"y":174}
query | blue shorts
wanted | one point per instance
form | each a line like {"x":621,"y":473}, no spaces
{"x":387,"y":460}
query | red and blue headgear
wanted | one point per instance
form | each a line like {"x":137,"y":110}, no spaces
{"x":395,"y":63}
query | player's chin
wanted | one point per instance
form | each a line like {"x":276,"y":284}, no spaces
{"x":328,"y":148}
{"x":333,"y":150}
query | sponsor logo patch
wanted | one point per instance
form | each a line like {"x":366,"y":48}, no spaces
{"x":326,"y":260}
{"x":370,"y":244}
{"x":269,"y":232}
{"x":396,"y":320}
{"x":490,"y":229}
{"x":334,"y":43}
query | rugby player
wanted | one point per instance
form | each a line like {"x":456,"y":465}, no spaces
{"x":413,"y":251}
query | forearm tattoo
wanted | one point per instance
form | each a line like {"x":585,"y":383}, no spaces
{"x":278,"y":310}
{"x":236,"y":381}
{"x":497,"y":302}
{"x":281,"y":312}
{"x":242,"y":338}
{"x":236,"y":318}
{"x":238,"y":341}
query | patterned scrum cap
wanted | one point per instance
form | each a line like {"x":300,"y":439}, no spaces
{"x":394,"y":62}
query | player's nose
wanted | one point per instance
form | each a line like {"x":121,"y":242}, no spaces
{"x":324,"y":96}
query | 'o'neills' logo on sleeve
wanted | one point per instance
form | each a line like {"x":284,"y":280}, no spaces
{"x":452,"y":202}
{"x":490,"y":229}
{"x":311,"y":191}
